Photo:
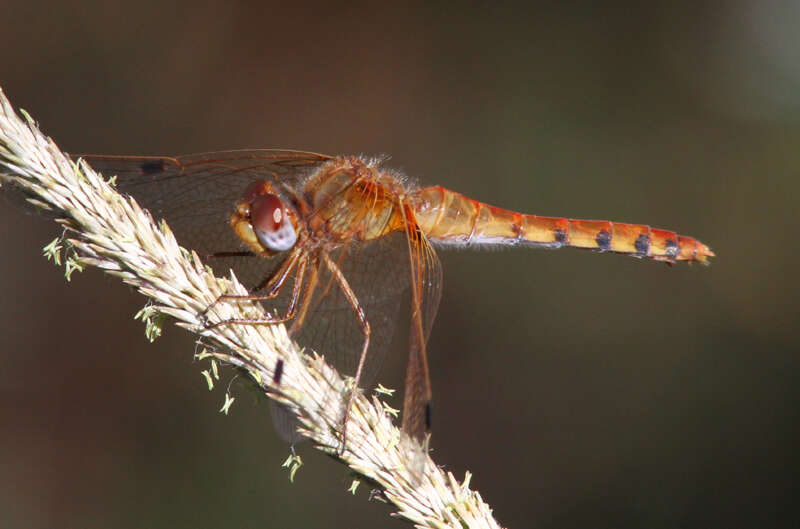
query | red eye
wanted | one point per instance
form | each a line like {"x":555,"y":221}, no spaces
{"x":270,"y":223}
{"x":266,"y":213}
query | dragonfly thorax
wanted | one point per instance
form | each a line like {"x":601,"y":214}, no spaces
{"x":353,"y":200}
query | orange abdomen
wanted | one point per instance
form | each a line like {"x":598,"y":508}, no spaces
{"x":448,"y":217}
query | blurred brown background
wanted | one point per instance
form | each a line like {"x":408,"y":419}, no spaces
{"x":581,"y":390}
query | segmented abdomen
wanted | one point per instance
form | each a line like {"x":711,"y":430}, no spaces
{"x":448,"y":217}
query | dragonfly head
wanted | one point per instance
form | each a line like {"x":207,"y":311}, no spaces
{"x":265,"y":221}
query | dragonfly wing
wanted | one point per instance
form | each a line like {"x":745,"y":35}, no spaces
{"x":426,"y":284}
{"x":197,"y":193}
{"x":378,"y":276}
{"x":377,"y":273}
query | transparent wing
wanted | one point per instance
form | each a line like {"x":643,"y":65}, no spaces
{"x":378,"y":274}
{"x":426,"y":291}
{"x":197,"y":193}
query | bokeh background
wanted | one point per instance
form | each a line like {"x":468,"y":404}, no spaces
{"x":580,"y":389}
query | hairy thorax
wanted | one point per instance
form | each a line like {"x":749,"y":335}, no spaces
{"x":350,"y":199}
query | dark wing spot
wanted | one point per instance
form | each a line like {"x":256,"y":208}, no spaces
{"x":642,"y":244}
{"x":276,"y":378}
{"x":152,"y":167}
{"x":428,"y":417}
{"x":672,"y":249}
{"x":603,"y":240}
{"x":561,"y":236}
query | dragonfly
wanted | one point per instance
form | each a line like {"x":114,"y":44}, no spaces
{"x":332,"y":244}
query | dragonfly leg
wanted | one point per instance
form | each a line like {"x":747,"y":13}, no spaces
{"x":365,"y":329}
{"x":305,"y":304}
{"x":228,"y":254}
{"x":274,"y":283}
{"x":309,"y":303}
{"x":271,"y":293}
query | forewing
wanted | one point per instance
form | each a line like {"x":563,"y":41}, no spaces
{"x":197,"y":193}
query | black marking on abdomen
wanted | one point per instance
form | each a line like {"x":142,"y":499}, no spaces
{"x":561,"y":236}
{"x":603,"y":240}
{"x":152,"y":167}
{"x":518,"y":231}
{"x":672,"y":249}
{"x":642,"y":244}
{"x":276,"y":377}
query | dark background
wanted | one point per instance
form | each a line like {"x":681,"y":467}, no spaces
{"x":581,"y":390}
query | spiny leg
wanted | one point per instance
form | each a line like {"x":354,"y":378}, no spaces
{"x":274,"y":290}
{"x":365,"y":329}
{"x":318,"y":300}
{"x":311,"y":286}
{"x":275,"y":282}
{"x":229,"y":254}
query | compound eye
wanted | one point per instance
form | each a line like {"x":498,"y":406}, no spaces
{"x":271,"y":224}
